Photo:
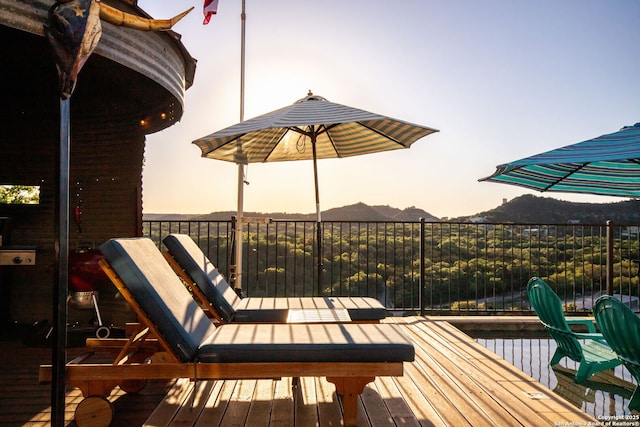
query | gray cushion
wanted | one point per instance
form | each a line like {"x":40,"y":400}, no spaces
{"x":206,"y":276}
{"x":347,"y":342}
{"x":273,"y":310}
{"x":160,"y":293}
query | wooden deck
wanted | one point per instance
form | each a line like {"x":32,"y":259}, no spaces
{"x":453,"y":382}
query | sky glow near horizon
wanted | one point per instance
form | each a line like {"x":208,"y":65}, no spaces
{"x":501,"y":80}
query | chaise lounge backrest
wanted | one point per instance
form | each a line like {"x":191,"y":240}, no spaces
{"x":156,"y":289}
{"x":202,"y":271}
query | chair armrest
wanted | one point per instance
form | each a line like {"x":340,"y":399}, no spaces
{"x":589,"y":323}
{"x":590,"y":336}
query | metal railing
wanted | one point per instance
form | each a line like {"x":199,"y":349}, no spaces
{"x":427,"y":267}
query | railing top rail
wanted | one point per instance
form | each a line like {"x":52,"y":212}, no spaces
{"x":417,"y":221}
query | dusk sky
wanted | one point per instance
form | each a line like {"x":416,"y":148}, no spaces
{"x":500,"y":79}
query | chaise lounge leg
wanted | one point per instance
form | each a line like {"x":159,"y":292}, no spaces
{"x":350,"y":389}
{"x":94,"y":410}
{"x":95,"y":387}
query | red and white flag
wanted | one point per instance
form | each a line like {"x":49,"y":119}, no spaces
{"x":210,"y":8}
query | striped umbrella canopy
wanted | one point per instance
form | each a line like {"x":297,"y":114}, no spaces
{"x":608,"y":165}
{"x":311,"y":128}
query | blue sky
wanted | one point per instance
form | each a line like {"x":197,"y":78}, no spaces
{"x":500,"y":79}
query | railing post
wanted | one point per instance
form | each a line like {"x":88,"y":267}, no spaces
{"x":610,"y":257}
{"x":422,"y":269}
{"x":232,"y":255}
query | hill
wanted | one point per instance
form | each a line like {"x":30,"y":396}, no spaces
{"x":356,"y":212}
{"x":531,"y":209}
{"x":363,"y":212}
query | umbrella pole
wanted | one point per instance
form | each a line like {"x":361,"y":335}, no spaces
{"x":318,"y":216}
{"x":237,"y":284}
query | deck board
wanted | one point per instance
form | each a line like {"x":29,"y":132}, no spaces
{"x":329,"y":412}
{"x":498,"y":389}
{"x":262,"y":404}
{"x":396,"y":404}
{"x":441,"y":363}
{"x":216,"y":404}
{"x":306,"y":403}
{"x":453,"y":381}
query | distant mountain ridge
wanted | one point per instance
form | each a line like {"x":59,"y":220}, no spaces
{"x":527,"y":209}
{"x":356,"y":212}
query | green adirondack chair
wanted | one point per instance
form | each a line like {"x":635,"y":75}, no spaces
{"x":589,"y":349}
{"x":621,"y":328}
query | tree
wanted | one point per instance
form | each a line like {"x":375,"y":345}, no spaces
{"x":19,"y":194}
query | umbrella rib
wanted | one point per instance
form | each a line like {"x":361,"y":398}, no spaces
{"x":326,"y":130}
{"x":564,"y":177}
{"x":374,"y":130}
{"x":234,"y":139}
{"x":301,"y":131}
{"x":321,"y":129}
{"x":275,"y":145}
{"x":333,"y":144}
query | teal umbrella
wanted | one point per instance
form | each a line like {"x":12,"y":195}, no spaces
{"x":608,"y":165}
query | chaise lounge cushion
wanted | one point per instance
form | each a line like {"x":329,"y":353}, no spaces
{"x":276,"y":310}
{"x":306,"y":343}
{"x":201,"y":270}
{"x":159,"y":291}
{"x":271,"y":310}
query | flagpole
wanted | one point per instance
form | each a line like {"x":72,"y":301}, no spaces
{"x":243,"y":18}
{"x":240,"y":161}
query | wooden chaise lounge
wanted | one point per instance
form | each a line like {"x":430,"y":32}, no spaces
{"x":187,"y":344}
{"x":213,"y":292}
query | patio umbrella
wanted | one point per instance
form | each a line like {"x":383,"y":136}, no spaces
{"x":312,"y":128}
{"x":608,"y":165}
